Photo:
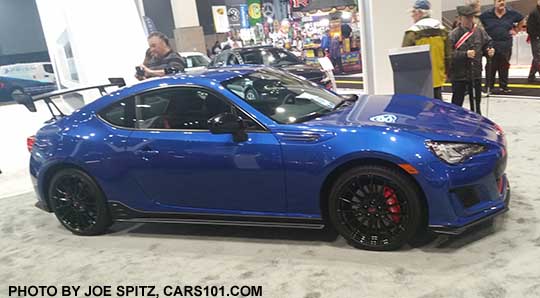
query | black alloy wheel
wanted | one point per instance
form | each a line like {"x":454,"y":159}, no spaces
{"x":78,"y":203}
{"x":375,"y":208}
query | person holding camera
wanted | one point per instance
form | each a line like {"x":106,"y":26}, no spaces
{"x":162,"y":60}
{"x":469,"y":43}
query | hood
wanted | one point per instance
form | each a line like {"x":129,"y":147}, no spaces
{"x":430,"y":118}
{"x":309,"y":72}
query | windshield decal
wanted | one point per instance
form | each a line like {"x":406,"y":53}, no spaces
{"x":385,"y":118}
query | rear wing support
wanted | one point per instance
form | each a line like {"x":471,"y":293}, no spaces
{"x":29,"y":101}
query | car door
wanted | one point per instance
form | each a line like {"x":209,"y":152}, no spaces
{"x":179,"y":163}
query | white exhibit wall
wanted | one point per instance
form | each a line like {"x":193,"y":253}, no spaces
{"x":382,"y":30}
{"x":106,"y":37}
{"x":185,"y":13}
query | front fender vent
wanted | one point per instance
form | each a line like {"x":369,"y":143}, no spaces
{"x":299,"y":137}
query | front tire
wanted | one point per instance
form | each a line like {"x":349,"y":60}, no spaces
{"x":78,"y":203}
{"x":375,"y":208}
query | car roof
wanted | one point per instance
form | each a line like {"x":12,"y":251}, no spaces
{"x":205,"y":77}
{"x":187,"y":54}
{"x":253,"y":48}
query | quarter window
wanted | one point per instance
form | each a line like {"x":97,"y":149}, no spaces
{"x":120,"y":113}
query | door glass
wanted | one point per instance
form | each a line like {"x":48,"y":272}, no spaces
{"x":178,"y":108}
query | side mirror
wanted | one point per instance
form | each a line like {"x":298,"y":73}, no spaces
{"x":227,"y":123}
{"x":24,"y":99}
{"x":171,"y":70}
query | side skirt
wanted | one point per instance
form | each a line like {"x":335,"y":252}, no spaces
{"x":123,"y":213}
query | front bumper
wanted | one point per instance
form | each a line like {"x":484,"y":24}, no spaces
{"x":484,"y":216}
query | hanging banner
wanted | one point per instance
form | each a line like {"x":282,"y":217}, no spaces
{"x":244,"y":16}
{"x":234,"y":16}
{"x":268,"y":10}
{"x":299,"y":4}
{"x":221,"y":20}
{"x":254,"y":9}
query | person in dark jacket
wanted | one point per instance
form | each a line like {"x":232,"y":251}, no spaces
{"x":469,"y":43}
{"x":165,"y":61}
{"x":216,"y":49}
{"x":335,"y":53}
{"x":533,"y":29}
{"x":498,"y":23}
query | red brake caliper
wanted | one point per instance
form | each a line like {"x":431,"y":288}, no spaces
{"x":392,"y":203}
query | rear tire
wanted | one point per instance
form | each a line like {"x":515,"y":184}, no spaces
{"x":78,"y":203}
{"x":375,"y":208}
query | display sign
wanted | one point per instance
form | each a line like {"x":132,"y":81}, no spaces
{"x":299,"y":3}
{"x":254,"y":10}
{"x":149,"y":25}
{"x":326,"y":64}
{"x":351,"y":58}
{"x":244,"y":16}
{"x":221,"y":20}
{"x":268,"y":10}
{"x":233,"y":13}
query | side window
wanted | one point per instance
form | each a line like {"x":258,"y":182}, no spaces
{"x":252,"y":57}
{"x":120,"y":113}
{"x":249,"y":124}
{"x":178,"y":108}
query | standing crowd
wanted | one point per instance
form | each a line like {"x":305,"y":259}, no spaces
{"x":457,"y":55}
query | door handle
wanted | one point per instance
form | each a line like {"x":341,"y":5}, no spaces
{"x":146,"y":150}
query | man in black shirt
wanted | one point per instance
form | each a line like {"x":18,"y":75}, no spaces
{"x":165,"y":61}
{"x":499,"y":22}
{"x":533,"y":28}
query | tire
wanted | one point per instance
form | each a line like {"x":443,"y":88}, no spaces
{"x":78,"y":203}
{"x":375,"y":208}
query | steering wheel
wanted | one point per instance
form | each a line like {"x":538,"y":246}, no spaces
{"x":251,"y":94}
{"x":289,"y":99}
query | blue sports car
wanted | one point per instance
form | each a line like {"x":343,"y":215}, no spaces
{"x":380,"y":170}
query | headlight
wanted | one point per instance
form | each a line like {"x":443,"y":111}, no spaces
{"x":454,"y":153}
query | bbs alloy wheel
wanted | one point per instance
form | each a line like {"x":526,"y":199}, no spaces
{"x":78,"y":203}
{"x":375,"y":208}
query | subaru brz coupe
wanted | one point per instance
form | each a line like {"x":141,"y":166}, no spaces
{"x":380,"y":170}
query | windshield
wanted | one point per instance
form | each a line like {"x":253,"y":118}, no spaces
{"x":197,"y":61}
{"x":269,"y":57}
{"x":283,"y":97}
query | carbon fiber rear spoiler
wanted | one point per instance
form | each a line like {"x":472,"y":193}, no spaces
{"x":28,"y":101}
